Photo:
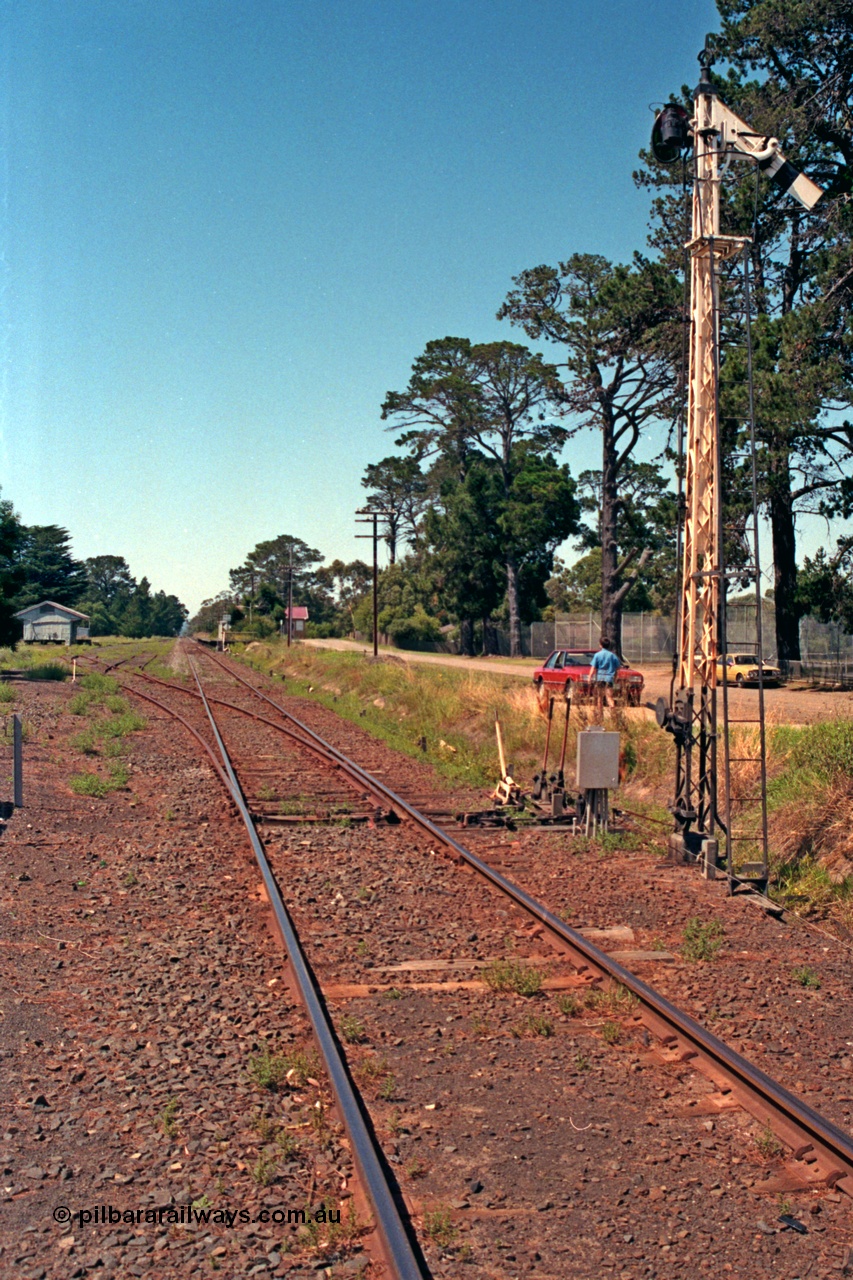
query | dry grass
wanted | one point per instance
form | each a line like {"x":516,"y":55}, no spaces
{"x":810,"y":802}
{"x":447,"y":715}
{"x":451,"y":711}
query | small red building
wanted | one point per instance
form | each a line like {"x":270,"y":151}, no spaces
{"x":300,"y":617}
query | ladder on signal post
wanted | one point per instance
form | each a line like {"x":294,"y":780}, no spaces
{"x":744,"y":818}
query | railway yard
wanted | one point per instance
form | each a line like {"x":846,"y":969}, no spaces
{"x":530,"y":1095}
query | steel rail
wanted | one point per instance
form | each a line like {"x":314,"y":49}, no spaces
{"x":176,"y":716}
{"x":319,"y":748}
{"x":811,"y":1136}
{"x":396,"y":1245}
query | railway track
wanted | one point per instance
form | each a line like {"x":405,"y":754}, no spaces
{"x":822,"y":1151}
{"x":397,"y":1250}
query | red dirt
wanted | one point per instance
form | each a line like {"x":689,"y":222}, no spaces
{"x":579,"y":1153}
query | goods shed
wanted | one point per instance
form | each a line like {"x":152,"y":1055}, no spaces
{"x":53,"y":623}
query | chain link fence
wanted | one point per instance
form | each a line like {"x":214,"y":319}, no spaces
{"x":827,"y":651}
{"x":646,"y":637}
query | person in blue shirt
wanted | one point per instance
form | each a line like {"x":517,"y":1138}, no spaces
{"x":605,"y":664}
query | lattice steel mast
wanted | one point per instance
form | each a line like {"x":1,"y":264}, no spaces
{"x":692,"y":715}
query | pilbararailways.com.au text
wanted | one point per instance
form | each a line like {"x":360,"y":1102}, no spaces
{"x":106,"y":1215}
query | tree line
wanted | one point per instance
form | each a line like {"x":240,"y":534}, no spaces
{"x":256,"y":600}
{"x":477,"y":500}
{"x":36,"y":563}
{"x":479,"y":494}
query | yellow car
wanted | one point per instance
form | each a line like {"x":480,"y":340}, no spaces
{"x":742,"y":668}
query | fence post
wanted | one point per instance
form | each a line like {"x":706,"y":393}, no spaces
{"x":18,"y":761}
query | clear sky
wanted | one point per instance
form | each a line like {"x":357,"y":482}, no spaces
{"x":229,"y":226}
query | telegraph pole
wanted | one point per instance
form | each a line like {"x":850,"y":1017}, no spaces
{"x":367,"y":515}
{"x":290,"y":599}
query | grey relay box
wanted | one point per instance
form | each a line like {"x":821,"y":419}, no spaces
{"x":598,"y":760}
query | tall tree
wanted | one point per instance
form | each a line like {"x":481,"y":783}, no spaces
{"x":50,"y":570}
{"x":136,"y":616}
{"x":110,"y":586}
{"x":108,"y":579}
{"x":348,"y":583}
{"x":540,"y":511}
{"x":269,"y":564}
{"x":211,"y":612}
{"x":646,"y":533}
{"x":397,"y":488}
{"x":167,"y":615}
{"x":825,"y":584}
{"x":576,"y":588}
{"x":790,"y":74}
{"x":406,"y":598}
{"x":11,"y":571}
{"x":489,"y":397}
{"x":620,"y":327}
{"x":461,"y":536}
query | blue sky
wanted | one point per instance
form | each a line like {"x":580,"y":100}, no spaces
{"x":229,"y":226}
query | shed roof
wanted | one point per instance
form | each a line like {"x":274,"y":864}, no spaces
{"x":299,"y":611}
{"x":35,"y":610}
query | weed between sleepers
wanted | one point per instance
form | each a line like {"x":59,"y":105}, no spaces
{"x":615,"y":1000}
{"x":568,"y":1005}
{"x":806,"y":976}
{"x":439,"y":1228}
{"x":534,"y":1024}
{"x":271,"y":1071}
{"x":767,"y":1143}
{"x":352,"y":1029}
{"x":513,"y":975}
{"x":167,"y":1120}
{"x":93,"y":784}
{"x":265,"y":1169}
{"x":701,"y":941}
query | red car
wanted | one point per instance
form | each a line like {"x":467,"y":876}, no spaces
{"x":567,"y":669}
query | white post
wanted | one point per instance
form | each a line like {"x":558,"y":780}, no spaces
{"x":18,"y":761}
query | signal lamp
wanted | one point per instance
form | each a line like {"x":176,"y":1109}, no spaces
{"x":670,"y":133}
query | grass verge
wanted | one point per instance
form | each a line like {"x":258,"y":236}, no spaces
{"x":444,"y":714}
{"x":447,"y":716}
{"x":109,"y":720}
